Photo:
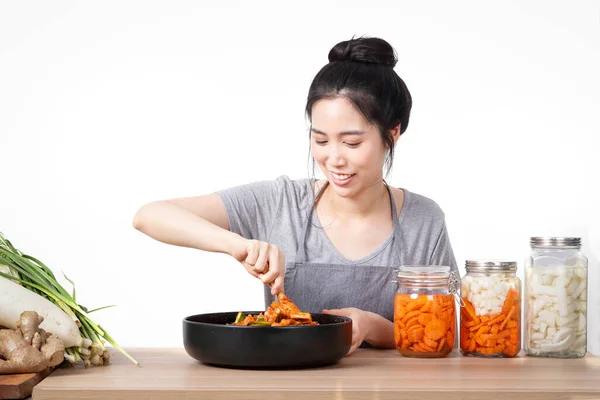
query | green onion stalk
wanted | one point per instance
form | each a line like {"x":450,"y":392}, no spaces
{"x":32,"y":274}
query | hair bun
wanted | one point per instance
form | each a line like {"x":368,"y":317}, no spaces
{"x":365,"y":50}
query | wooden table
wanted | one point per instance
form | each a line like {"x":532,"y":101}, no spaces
{"x":367,"y":374}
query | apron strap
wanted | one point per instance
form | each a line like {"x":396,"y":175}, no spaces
{"x":397,"y":233}
{"x":301,"y":252}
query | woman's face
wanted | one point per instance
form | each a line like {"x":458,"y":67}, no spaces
{"x":348,"y":149}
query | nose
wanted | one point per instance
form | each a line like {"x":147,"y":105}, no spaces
{"x":336,"y":156}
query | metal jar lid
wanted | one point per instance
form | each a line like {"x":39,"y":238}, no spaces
{"x":490,"y":266}
{"x":555,"y":242}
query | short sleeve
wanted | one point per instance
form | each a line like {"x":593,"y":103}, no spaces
{"x":252,"y":208}
{"x":442,"y":252}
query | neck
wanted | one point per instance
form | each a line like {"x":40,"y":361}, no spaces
{"x":360,"y":206}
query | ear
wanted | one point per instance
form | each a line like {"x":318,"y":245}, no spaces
{"x":395,"y":132}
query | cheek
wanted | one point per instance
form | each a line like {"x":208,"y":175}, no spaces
{"x":318,"y":153}
{"x":370,"y":157}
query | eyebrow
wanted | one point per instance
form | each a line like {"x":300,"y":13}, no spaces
{"x":344,"y":133}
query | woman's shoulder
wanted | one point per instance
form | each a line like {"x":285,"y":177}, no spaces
{"x":298,"y":191}
{"x":279,"y":183}
{"x":293,"y":192}
{"x":422,"y":207}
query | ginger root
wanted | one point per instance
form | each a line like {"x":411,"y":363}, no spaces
{"x":29,"y":348}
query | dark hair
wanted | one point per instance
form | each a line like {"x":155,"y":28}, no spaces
{"x":362,"y":71}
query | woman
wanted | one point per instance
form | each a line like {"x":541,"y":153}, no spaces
{"x":334,"y":243}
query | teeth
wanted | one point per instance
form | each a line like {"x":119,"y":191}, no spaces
{"x":341,"y":177}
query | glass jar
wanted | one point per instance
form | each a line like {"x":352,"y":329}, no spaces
{"x":490,"y":321}
{"x":424,"y":311}
{"x":556,"y":298}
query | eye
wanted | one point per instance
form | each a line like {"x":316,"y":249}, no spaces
{"x":353,"y":144}
{"x":321,"y":142}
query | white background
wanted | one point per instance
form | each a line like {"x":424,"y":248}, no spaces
{"x":108,"y":105}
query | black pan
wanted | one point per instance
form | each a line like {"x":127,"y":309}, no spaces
{"x":207,"y":339}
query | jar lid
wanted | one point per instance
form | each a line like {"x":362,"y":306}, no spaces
{"x":424,"y":272}
{"x":429,"y":276}
{"x":490,"y":265}
{"x":555,"y":242}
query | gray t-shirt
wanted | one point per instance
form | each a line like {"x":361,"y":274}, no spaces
{"x":276,"y":212}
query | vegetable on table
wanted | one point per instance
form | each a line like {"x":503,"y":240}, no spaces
{"x":28,"y":348}
{"x":27,"y":284}
{"x":424,"y":325}
{"x":16,"y":299}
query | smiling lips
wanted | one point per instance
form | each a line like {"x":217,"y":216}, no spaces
{"x":341,"y":179}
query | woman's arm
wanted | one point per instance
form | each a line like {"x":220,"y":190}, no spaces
{"x":201,"y":223}
{"x":196,"y":222}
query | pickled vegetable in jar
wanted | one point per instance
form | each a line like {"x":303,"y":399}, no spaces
{"x":490,"y":321}
{"x":556,"y":298}
{"x":424,"y":311}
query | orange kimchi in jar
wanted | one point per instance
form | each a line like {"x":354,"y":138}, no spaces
{"x":425,"y":311}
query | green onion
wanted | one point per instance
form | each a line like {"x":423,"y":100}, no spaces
{"x":260,"y":322}
{"x":239,"y":317}
{"x":32,"y":274}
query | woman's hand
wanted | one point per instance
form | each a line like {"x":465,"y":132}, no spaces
{"x":262,"y":260}
{"x":359,"y":324}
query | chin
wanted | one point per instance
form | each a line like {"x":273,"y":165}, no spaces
{"x":345,"y":192}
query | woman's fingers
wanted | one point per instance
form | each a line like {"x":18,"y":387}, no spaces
{"x":253,"y":250}
{"x":264,"y":256}
{"x":266,"y":262}
{"x":353,"y":348}
{"x":342,"y":312}
{"x":277,"y":285}
{"x":276,"y":262}
{"x":250,"y":269}
{"x":274,"y":275}
{"x":353,"y":314}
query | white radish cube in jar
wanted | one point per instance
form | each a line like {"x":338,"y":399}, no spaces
{"x":494,"y":283}
{"x":488,"y":303}
{"x":464,"y":289}
{"x":503,"y":288}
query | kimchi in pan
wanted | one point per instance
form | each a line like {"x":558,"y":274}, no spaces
{"x":283,"y":313}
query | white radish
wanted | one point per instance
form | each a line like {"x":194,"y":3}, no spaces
{"x":14,"y":299}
